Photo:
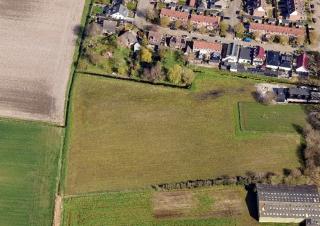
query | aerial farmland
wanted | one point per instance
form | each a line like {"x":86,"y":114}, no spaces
{"x":36,"y":48}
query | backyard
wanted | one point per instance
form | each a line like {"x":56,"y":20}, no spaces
{"x":137,"y":134}
{"x":271,"y":118}
{"x":28,"y":169}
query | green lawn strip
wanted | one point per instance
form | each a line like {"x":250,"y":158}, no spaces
{"x":138,"y":208}
{"x":62,"y":163}
{"x":271,"y":118}
{"x":126,"y":135}
{"x":29,"y":155}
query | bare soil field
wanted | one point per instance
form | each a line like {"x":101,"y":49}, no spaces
{"x":36,"y":48}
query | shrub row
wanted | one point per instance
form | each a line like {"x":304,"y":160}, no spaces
{"x":248,"y":179}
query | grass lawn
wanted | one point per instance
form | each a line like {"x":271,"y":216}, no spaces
{"x":28,"y":169}
{"x":128,"y":135}
{"x":206,"y":206}
{"x":272,"y":118}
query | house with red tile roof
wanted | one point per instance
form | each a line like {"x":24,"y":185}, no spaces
{"x":192,"y":3}
{"x":174,"y":15}
{"x":302,"y":63}
{"x":276,"y":30}
{"x":209,"y":22}
{"x":259,"y":56}
{"x":207,"y":48}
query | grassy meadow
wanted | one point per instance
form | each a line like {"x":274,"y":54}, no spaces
{"x":29,"y":154}
{"x":271,"y":118}
{"x":125,"y":135}
{"x":215,"y":206}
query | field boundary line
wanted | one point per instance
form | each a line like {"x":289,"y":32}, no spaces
{"x":137,"y":80}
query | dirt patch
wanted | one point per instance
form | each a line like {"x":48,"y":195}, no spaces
{"x":185,"y":204}
{"x":172,"y":204}
{"x":36,"y":48}
{"x":212,"y":94}
{"x":57,"y":211}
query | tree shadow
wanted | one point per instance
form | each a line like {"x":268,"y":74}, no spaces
{"x":251,"y":201}
{"x":301,"y":148}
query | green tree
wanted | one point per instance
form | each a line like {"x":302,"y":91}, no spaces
{"x":188,"y":76}
{"x":164,"y":21}
{"x":223,"y":28}
{"x":145,"y":55}
{"x":175,"y":74}
{"x":151,"y":15}
{"x":239,"y":30}
{"x":283,"y":40}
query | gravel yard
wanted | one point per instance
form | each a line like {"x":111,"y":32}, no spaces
{"x":36,"y":47}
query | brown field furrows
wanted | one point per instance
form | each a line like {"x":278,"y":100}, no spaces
{"x":37,"y":39}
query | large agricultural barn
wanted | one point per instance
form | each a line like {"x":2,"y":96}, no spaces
{"x":36,"y":48}
{"x":289,"y":204}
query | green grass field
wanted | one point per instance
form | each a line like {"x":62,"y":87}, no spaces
{"x":28,"y":168}
{"x":127,"y":135}
{"x":271,"y":118}
{"x":215,"y":206}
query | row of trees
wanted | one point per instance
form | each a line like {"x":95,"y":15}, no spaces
{"x":294,"y":176}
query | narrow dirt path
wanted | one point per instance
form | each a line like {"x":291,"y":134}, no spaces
{"x":57,"y":211}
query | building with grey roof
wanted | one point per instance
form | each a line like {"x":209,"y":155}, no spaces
{"x":230,"y":52}
{"x":288,"y":204}
{"x":109,"y":27}
{"x":245,"y":56}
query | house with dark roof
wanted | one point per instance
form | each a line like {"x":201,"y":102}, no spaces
{"x":273,"y":60}
{"x":245,"y":55}
{"x":286,"y":61}
{"x":230,"y":52}
{"x":288,"y":204}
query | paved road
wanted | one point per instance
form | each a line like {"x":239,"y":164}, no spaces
{"x":140,"y":22}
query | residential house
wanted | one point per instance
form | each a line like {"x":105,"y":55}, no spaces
{"x":177,"y":42}
{"x":174,"y":15}
{"x":118,"y":12}
{"x":273,"y":60}
{"x":302,"y":64}
{"x":245,"y":55}
{"x":259,"y":56}
{"x":192,"y":3}
{"x":221,"y":4}
{"x":295,"y":10}
{"x":230,"y":53}
{"x":288,"y":204}
{"x":155,"y":38}
{"x":286,"y":61}
{"x":210,"y":22}
{"x":109,"y":27}
{"x":128,"y":39}
{"x":256,"y":7}
{"x":276,"y":30}
{"x":209,"y":49}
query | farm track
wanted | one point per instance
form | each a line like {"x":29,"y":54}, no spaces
{"x":36,"y":48}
